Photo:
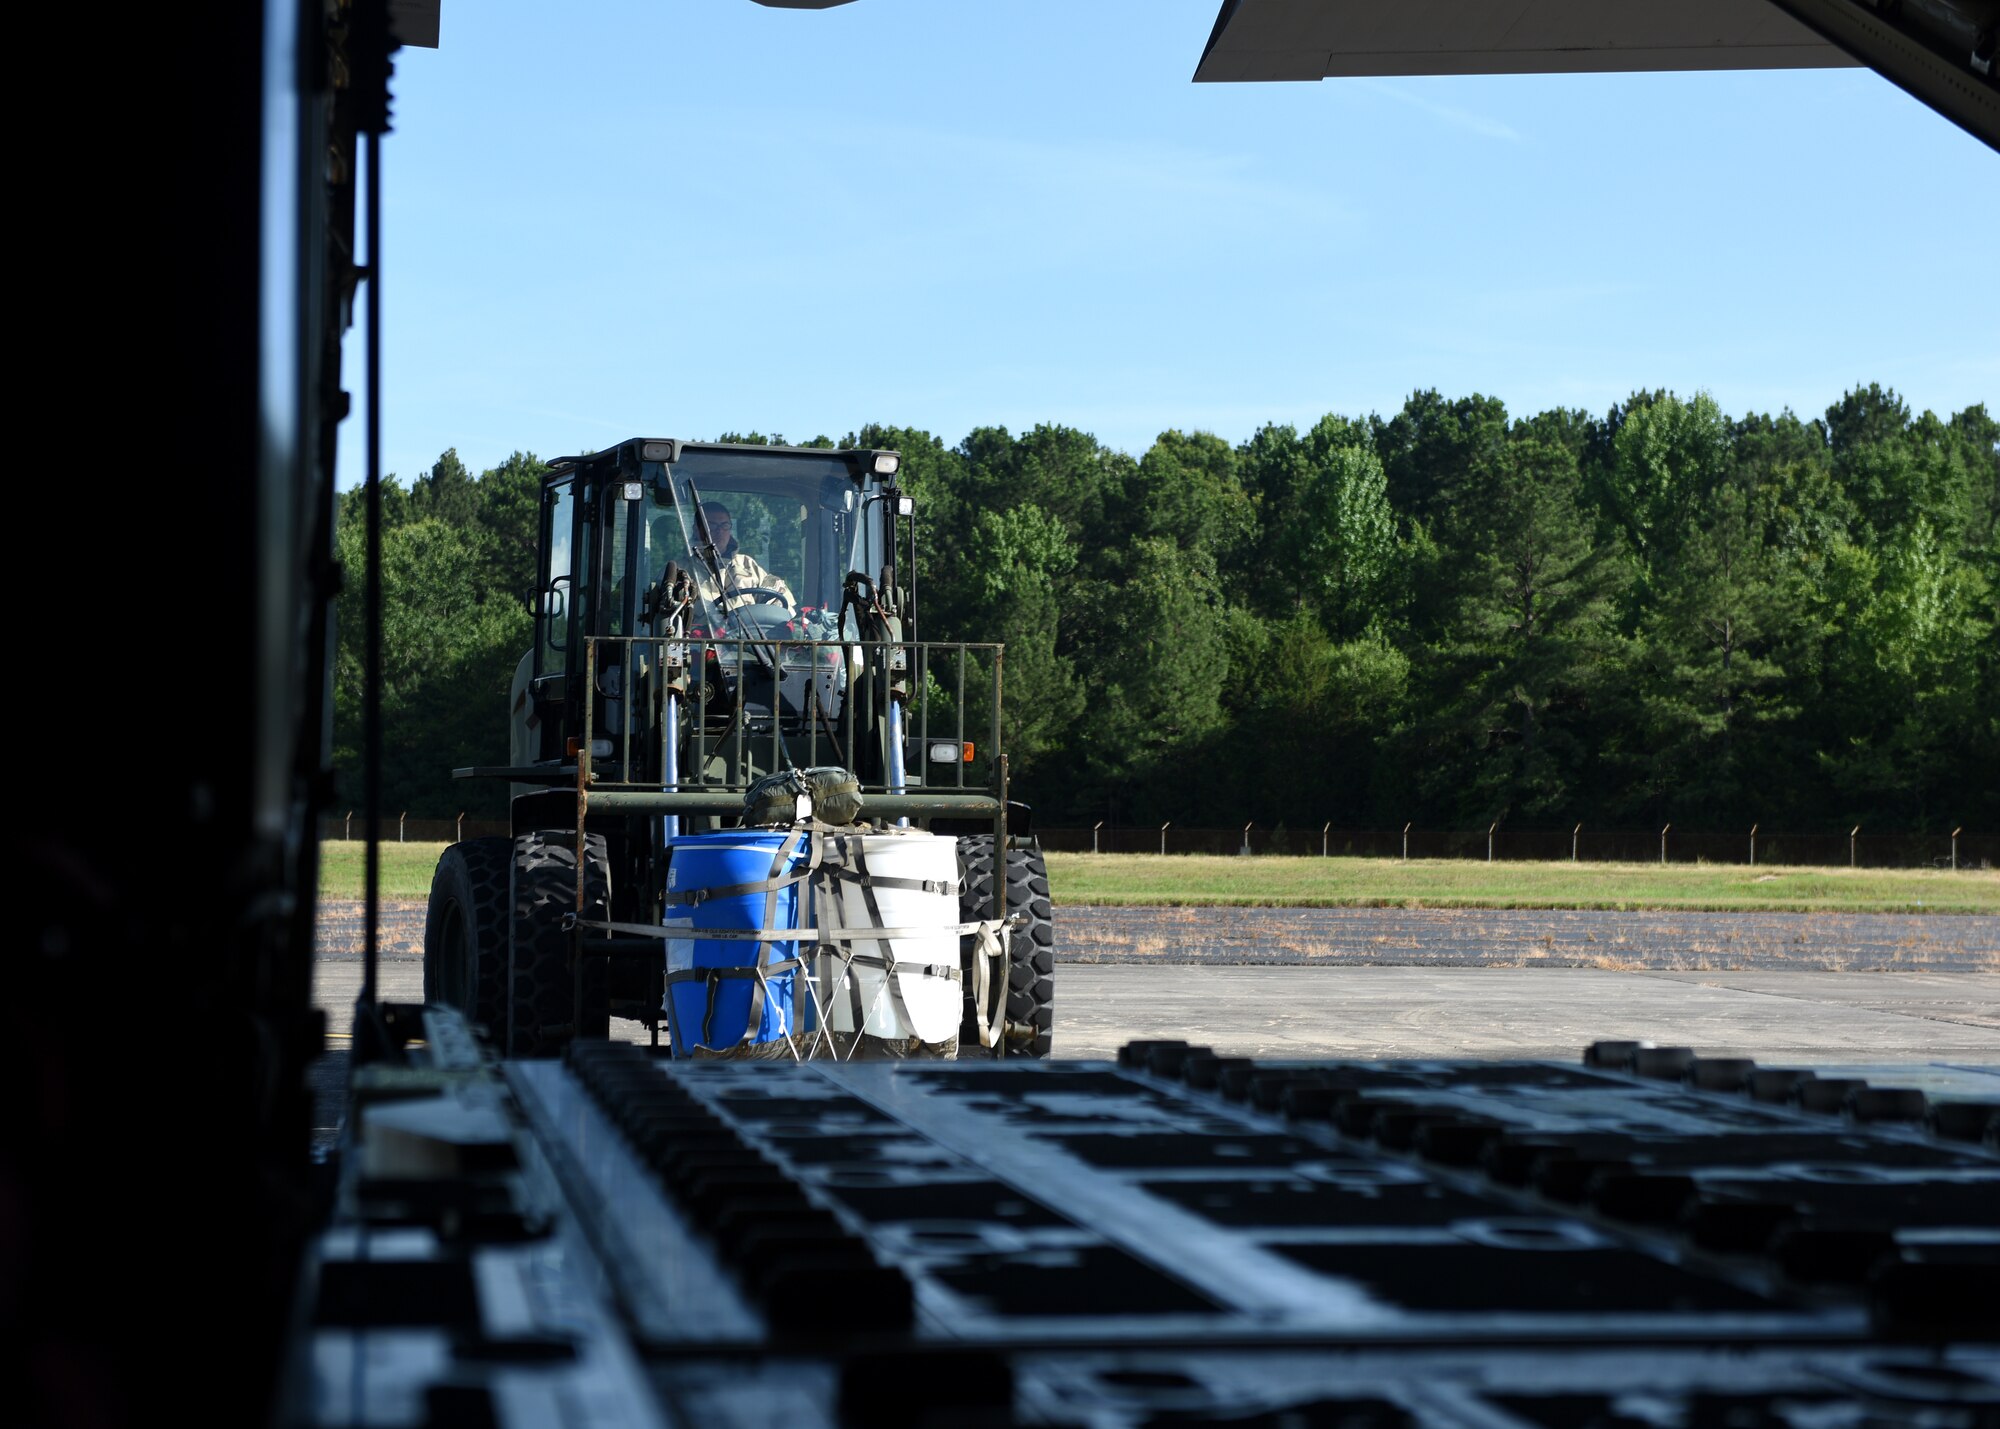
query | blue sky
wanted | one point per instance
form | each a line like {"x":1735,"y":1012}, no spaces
{"x":679,"y":219}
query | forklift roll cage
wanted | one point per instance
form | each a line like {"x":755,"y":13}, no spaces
{"x":640,"y":706}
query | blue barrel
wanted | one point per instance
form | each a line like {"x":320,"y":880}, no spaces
{"x":712,"y":1013}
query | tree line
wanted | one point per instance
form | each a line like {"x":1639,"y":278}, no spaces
{"x":1447,"y":614}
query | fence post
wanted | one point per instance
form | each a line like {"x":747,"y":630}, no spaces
{"x":347,"y":830}
{"x":1954,"y":848}
{"x":1322,"y":837}
{"x":1489,"y":839}
{"x":1663,"y":844}
{"x":1406,"y":841}
{"x":1093,"y":834}
{"x":1572,"y":842}
{"x":401,"y":819}
{"x":1163,"y":836}
{"x":1244,"y":852}
{"x":1753,"y":845}
{"x":1851,"y":837}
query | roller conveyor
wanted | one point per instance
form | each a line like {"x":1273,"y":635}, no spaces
{"x":1639,"y":1239}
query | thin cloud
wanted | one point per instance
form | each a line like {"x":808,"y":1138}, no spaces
{"x":1458,"y":118}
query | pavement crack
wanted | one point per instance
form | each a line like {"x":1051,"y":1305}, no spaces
{"x":1684,"y":979}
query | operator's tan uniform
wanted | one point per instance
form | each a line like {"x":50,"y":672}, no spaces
{"x":741,"y":575}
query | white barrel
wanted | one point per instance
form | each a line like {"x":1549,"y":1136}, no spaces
{"x":932,"y":1003}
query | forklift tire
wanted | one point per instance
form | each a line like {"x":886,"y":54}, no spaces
{"x":542,"y":1011}
{"x":465,"y":930}
{"x":1029,"y":985}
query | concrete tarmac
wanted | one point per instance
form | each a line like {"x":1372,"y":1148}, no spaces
{"x":1936,"y":1031}
{"x":1805,"y":1018}
{"x":1378,"y":996}
{"x":1530,"y":1012}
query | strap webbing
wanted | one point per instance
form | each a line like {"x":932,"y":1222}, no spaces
{"x":775,"y":883}
{"x":876,"y":880}
{"x":758,"y":969}
{"x":991,"y":948}
{"x":713,"y":974}
{"x":685,"y":933}
{"x":833,"y":857}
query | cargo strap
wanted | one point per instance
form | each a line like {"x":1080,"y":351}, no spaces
{"x":775,"y":883}
{"x":759,"y":970}
{"x":853,"y":862}
{"x":877,"y":880}
{"x":892,"y":985}
{"x":754,"y":1018}
{"x":714,"y":978}
{"x":793,"y":935}
{"x":834,"y":941}
{"x":991,"y":950}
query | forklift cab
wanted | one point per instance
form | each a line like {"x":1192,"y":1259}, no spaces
{"x":745,"y":554}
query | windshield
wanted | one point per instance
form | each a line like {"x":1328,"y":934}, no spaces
{"x":769,"y":538}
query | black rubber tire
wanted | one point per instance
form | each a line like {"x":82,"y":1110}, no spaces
{"x":1031,"y":951}
{"x":542,"y":1015}
{"x":465,"y":931}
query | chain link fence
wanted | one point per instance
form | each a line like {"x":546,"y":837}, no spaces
{"x":1585,"y":845}
{"x":1861,"y":850}
{"x":402,"y":829}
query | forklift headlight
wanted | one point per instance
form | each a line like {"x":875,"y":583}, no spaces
{"x":906,"y":506}
{"x":886,"y":463}
{"x":944,"y":753}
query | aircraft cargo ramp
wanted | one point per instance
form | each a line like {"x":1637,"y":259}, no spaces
{"x":1643,"y":1237}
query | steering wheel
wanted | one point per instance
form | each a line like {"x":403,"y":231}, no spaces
{"x":764,"y":594}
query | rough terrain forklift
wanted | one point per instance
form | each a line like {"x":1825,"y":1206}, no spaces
{"x":671,"y":680}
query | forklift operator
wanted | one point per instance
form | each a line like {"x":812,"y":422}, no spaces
{"x":744,"y":579}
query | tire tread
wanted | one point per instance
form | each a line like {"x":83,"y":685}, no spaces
{"x":474,"y":874}
{"x":1030,"y":985}
{"x":541,"y":1016}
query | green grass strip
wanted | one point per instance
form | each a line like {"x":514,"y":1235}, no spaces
{"x":1198,"y":880}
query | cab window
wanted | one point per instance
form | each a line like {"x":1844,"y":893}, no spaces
{"x":556,"y":603}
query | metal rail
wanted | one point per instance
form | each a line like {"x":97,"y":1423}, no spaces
{"x":819,"y":676}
